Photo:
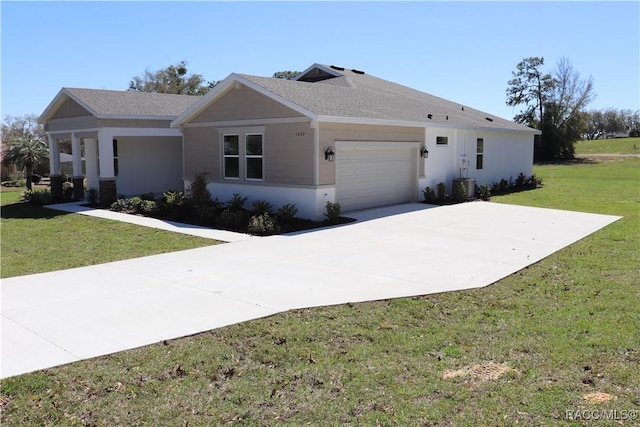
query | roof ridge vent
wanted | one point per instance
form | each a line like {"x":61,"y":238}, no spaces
{"x":357,"y":71}
{"x":335,"y":67}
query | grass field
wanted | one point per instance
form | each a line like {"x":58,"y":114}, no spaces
{"x":561,"y":335}
{"x":609,"y":146}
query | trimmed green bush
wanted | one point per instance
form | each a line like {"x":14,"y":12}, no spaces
{"x":198,"y":192}
{"x":287,"y":212}
{"x":40,"y":196}
{"x":232,"y":220}
{"x":174,"y":198}
{"x":236,"y":203}
{"x":441,"y":190}
{"x":263,"y":225}
{"x":333,"y":212}
{"x":485,"y":192}
{"x":93,"y":197}
{"x":67,"y":189}
{"x":261,"y":207}
{"x":429,"y":194}
{"x":460,"y":192}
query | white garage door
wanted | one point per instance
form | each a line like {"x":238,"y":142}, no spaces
{"x":371,"y":177}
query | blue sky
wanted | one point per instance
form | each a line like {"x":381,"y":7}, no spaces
{"x":462,"y":51}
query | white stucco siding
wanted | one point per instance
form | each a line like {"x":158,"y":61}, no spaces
{"x":149,"y":164}
{"x":441,"y":164}
{"x":506,"y":154}
{"x":310,"y":201}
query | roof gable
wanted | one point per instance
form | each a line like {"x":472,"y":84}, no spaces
{"x":111,"y":104}
{"x":336,"y":94}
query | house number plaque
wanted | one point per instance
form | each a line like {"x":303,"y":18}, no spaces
{"x":300,"y":133}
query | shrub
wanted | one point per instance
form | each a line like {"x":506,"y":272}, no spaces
{"x":263,"y":225}
{"x":174,"y":198}
{"x":148,"y":196}
{"x":120,"y":205}
{"x":333,"y":212}
{"x":236,"y":203}
{"x":429,"y":194}
{"x":503,"y":186}
{"x":460,"y":192}
{"x":533,"y":182}
{"x":261,"y":207}
{"x":134,"y":205}
{"x":93,"y":196}
{"x":521,"y":179}
{"x":485,"y":192}
{"x":232,"y":220}
{"x":495,"y":188}
{"x":67,"y":189}
{"x":441,"y":190}
{"x":287,"y":212}
{"x":198,"y":192}
{"x":40,"y":196}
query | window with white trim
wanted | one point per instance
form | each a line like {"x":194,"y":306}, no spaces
{"x":479,"y":153}
{"x":231,"y":155}
{"x":253,"y":156}
{"x":242,"y":153}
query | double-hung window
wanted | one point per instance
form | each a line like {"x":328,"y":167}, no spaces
{"x":253,"y":156}
{"x":479,"y":153}
{"x":243,"y":153}
{"x":231,"y":156}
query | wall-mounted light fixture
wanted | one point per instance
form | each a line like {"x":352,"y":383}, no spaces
{"x":424,"y":153}
{"x":329,"y":154}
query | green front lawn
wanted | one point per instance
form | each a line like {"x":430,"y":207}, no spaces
{"x":563,"y":333}
{"x":36,"y":239}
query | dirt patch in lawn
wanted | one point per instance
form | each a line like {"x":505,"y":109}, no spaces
{"x":483,"y":372}
{"x":598,"y":397}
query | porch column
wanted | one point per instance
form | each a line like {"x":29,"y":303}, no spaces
{"x":78,"y":179}
{"x":55,"y":175}
{"x":91,"y":162}
{"x":108,"y":192}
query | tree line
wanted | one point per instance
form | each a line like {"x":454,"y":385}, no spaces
{"x":555,"y":103}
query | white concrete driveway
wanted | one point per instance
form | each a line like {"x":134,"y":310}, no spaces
{"x":65,"y":316}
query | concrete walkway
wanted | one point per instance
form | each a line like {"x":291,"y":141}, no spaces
{"x":64,"y":316}
{"x":176,"y":227}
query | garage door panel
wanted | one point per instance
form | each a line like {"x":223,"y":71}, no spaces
{"x":375,"y":177}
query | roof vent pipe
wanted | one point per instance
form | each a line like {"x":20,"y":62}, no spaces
{"x":462,"y":108}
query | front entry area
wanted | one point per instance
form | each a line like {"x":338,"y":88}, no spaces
{"x":375,"y":174}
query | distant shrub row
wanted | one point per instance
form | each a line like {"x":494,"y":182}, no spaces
{"x":484,"y":192}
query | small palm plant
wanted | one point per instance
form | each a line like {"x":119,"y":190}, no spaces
{"x":26,"y":151}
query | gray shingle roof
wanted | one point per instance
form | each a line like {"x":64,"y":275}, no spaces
{"x":112,"y":103}
{"x":362,"y":96}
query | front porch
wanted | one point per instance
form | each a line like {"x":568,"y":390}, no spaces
{"x":117,"y":161}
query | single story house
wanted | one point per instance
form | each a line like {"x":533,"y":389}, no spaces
{"x":330,"y":135}
{"x":123,"y":137}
